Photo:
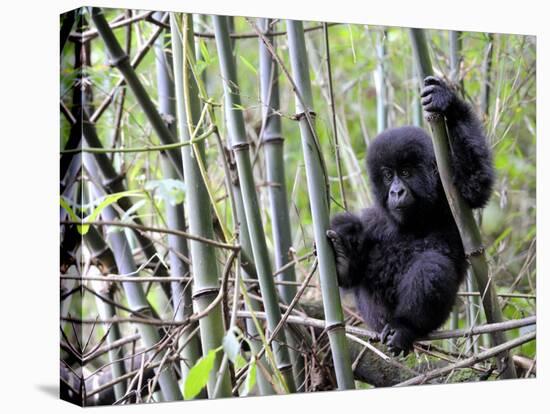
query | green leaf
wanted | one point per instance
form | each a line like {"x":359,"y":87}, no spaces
{"x":204,"y":52}
{"x":250,"y":378}
{"x":68,"y":209}
{"x":198,"y":375}
{"x":107,"y":201}
{"x":249,"y":65}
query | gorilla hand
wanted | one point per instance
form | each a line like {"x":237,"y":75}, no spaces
{"x":341,"y":255}
{"x":437,"y":96}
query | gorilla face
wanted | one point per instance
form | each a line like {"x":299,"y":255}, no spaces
{"x":401,"y":166}
{"x":399,"y":196}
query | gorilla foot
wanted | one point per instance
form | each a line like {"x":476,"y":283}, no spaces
{"x":398,"y":340}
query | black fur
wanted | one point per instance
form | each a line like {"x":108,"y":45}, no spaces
{"x":403,"y":257}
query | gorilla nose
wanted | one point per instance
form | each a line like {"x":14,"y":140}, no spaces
{"x":398,"y":194}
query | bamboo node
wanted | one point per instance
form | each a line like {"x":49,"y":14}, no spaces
{"x":273,"y":139}
{"x":476,"y":252}
{"x":301,"y":115}
{"x":334,"y":326}
{"x":115,"y":62}
{"x":205,"y":292}
{"x":241,"y":146}
{"x":433,"y":116}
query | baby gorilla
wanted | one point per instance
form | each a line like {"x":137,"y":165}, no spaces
{"x":403,"y":257}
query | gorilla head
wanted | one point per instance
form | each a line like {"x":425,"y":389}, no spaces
{"x":402,"y":169}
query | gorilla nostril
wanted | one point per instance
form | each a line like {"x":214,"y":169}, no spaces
{"x":397,"y":194}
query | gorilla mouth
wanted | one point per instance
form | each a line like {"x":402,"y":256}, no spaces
{"x":400,"y":207}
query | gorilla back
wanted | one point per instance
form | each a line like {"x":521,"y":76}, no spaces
{"x":403,"y":257}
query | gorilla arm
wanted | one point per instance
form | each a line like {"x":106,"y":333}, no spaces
{"x":473,"y":172}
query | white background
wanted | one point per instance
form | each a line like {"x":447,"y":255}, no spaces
{"x":29,"y":157}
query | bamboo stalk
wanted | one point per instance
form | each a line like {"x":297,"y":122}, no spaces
{"x":455,"y":46}
{"x":265,"y":387}
{"x":273,"y":142}
{"x":240,"y":146}
{"x":334,"y":120}
{"x":120,"y":59}
{"x":106,"y":311}
{"x":136,"y":60}
{"x":182,"y":302}
{"x":317,"y":190}
{"x":138,"y":303}
{"x":380,"y":82}
{"x":69,"y":19}
{"x":112,"y":182}
{"x":455,"y":50}
{"x":203,"y":256}
{"x":463,"y":215}
{"x":486,"y":76}
{"x":103,"y":254}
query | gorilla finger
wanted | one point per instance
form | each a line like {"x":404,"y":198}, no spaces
{"x":429,"y":107}
{"x":335,"y":241}
{"x":332,"y":235}
{"x":432,"y":80}
{"x":387,"y":331}
{"x":426,"y":100}
{"x":427,"y":90}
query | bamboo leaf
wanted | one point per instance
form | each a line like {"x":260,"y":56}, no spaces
{"x":249,"y":65}
{"x":204,"y":52}
{"x":107,"y":201}
{"x":198,"y":375}
{"x":68,"y":209}
{"x":250,"y":381}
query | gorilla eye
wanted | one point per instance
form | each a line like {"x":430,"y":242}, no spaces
{"x":388,"y":175}
{"x":404,"y":172}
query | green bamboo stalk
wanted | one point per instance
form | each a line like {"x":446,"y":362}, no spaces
{"x":106,"y":310}
{"x":416,"y":105}
{"x":463,"y":215}
{"x":182,"y":302}
{"x":137,"y":300}
{"x":455,"y":45}
{"x":265,"y":387}
{"x":486,"y":76}
{"x":273,"y":141}
{"x":69,"y":19}
{"x":380,"y":82}
{"x":112,"y":182}
{"x":240,"y":146}
{"x":334,"y":120}
{"x":455,"y":53}
{"x":317,"y":190}
{"x":239,"y":218}
{"x":121,"y":60}
{"x":203,"y":256}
